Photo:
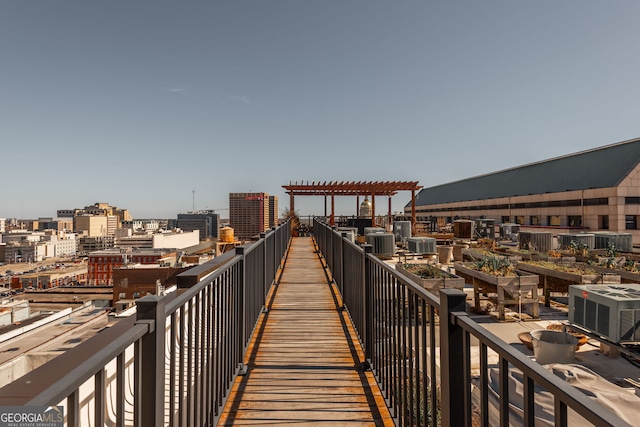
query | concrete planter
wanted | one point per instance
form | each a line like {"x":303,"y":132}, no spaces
{"x":457,"y":251}
{"x":522,"y":288}
{"x":445,"y":254}
{"x":432,"y":285}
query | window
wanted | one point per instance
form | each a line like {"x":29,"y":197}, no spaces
{"x":520,"y":219}
{"x":631,"y":222}
{"x":535,"y":220}
{"x":505,"y":219}
{"x":603,"y":222}
{"x":122,"y":295}
{"x":574,"y":221}
{"x":553,"y":220}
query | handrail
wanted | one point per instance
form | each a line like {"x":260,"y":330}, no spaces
{"x":395,"y":320}
{"x":175,"y":362}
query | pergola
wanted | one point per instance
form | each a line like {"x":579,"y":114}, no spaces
{"x":353,"y":188}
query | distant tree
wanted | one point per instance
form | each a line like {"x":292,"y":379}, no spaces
{"x":288,"y":214}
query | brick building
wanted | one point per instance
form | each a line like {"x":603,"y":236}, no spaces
{"x":101,"y":264}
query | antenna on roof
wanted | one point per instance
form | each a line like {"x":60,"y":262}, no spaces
{"x":193,"y":191}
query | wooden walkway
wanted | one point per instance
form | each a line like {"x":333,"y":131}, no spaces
{"x":303,"y":362}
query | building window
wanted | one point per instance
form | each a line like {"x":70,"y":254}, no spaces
{"x":603,"y":222}
{"x":122,"y":295}
{"x":631,"y":222}
{"x":632,"y":200}
{"x":535,"y":220}
{"x":553,"y":220}
{"x":520,"y":219}
{"x":505,"y":219}
{"x":574,"y":221}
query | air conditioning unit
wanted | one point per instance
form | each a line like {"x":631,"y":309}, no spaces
{"x":384,"y":244}
{"x":372,"y":230}
{"x":402,"y":230}
{"x":509,"y":231}
{"x":612,"y":311}
{"x":540,"y":241}
{"x":421,"y":245}
{"x":351,"y":233}
{"x":621,"y":241}
{"x":565,"y":239}
{"x":485,"y":228}
{"x":463,"y":229}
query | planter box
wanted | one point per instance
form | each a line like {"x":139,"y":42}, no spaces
{"x":559,"y":281}
{"x":522,"y":288}
{"x":625,"y":276}
{"x":432,"y":285}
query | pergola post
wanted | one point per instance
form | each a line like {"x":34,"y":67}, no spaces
{"x":291,"y":203}
{"x":390,"y":216}
{"x":373,"y":209}
{"x":333,"y":209}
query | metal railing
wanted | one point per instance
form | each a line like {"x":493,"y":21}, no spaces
{"x":175,"y":362}
{"x":419,"y":347}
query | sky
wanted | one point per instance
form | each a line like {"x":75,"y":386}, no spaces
{"x":160,"y":107}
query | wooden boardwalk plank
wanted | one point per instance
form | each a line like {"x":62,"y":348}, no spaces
{"x":302,"y":363}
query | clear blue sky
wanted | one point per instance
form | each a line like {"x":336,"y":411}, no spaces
{"x":138,"y":103}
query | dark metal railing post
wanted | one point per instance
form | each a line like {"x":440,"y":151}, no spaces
{"x":242,"y":308}
{"x":343,"y":262}
{"x":452,"y":357}
{"x":265,"y":276}
{"x":151,"y":310}
{"x":368,"y":290}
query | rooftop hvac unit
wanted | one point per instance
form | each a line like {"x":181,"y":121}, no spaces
{"x":463,"y":229}
{"x":421,"y":245}
{"x":509,"y":231}
{"x":351,"y":233}
{"x":384,"y":244}
{"x":540,"y":241}
{"x":372,"y":230}
{"x":587,"y":239}
{"x":612,"y":311}
{"x":621,"y":241}
{"x":402,"y":230}
{"x":485,"y":228}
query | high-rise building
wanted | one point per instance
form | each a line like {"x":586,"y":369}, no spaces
{"x":206,"y":222}
{"x":252,"y":213}
{"x":273,"y":211}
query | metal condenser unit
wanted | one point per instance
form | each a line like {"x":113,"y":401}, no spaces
{"x":612,"y":311}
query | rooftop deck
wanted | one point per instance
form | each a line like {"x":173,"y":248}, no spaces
{"x":303,"y":364}
{"x":278,"y":334}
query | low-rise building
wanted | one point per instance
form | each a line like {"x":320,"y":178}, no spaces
{"x":125,"y":238}
{"x":101,"y":264}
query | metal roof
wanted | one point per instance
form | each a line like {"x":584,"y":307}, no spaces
{"x":602,"y":167}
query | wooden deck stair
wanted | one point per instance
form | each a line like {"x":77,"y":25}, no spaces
{"x":304,"y":359}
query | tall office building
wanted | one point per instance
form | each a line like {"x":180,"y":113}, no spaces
{"x":206,"y":222}
{"x":273,"y":211}
{"x":252,"y":213}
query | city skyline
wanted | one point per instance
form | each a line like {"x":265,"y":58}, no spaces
{"x":162,"y":108}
